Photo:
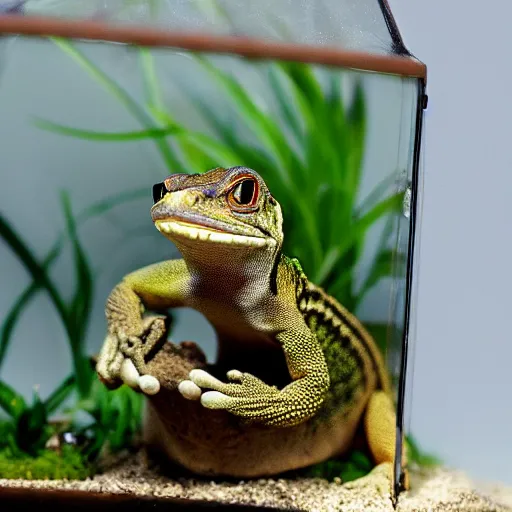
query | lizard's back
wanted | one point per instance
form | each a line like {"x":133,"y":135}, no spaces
{"x":356,"y":365}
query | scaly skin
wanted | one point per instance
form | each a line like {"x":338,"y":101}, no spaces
{"x":228,"y":228}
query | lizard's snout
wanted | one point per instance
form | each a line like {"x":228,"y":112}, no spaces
{"x":175,"y":203}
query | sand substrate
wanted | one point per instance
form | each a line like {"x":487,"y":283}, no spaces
{"x":431,"y":491}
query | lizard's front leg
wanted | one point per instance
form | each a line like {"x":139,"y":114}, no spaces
{"x":131,"y":336}
{"x":250,"y":398}
{"x":123,"y":356}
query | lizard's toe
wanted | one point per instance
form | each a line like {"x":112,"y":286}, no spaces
{"x":189,"y":390}
{"x":204,"y":380}
{"x":129,"y":374}
{"x":109,"y":362}
{"x":149,"y":384}
{"x":235,"y":375}
{"x":216,"y":400}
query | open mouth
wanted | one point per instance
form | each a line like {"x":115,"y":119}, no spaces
{"x":192,"y":231}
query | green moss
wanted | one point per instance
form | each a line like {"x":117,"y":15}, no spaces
{"x":47,"y":465}
{"x":355,"y":466}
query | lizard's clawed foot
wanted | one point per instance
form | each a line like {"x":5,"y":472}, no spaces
{"x":245,"y":395}
{"x":131,"y":377}
{"x":381,"y":479}
{"x":122,"y":357}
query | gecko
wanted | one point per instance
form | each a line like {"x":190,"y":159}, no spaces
{"x":228,"y":228}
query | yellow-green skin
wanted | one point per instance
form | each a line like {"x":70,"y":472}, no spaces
{"x":228,"y":228}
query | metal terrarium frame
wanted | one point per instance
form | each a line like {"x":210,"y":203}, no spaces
{"x":398,"y":62}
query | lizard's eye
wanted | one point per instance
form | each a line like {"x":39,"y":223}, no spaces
{"x":159,"y":191}
{"x":244,"y":194}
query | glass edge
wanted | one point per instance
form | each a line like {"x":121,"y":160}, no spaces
{"x":398,"y":468}
{"x":39,"y":26}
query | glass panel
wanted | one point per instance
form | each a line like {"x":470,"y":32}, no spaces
{"x":402,"y":340}
{"x":412,"y":323}
{"x":349,"y":24}
{"x":87,"y":129}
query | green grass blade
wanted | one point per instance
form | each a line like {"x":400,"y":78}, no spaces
{"x":329,"y":262}
{"x":287,"y":108}
{"x":343,"y":133}
{"x":11,"y":402}
{"x":81,"y":302}
{"x":120,"y":94}
{"x":36,"y":270}
{"x":356,"y":124}
{"x":80,"y":306}
{"x":337,"y":133}
{"x":152,"y":91}
{"x":150,"y":80}
{"x":305,"y":80}
{"x":151,"y":133}
{"x":119,"y":430}
{"x":14,"y":313}
{"x":57,"y":398}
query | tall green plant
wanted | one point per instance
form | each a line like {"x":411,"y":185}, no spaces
{"x":310,"y":152}
{"x":115,"y":416}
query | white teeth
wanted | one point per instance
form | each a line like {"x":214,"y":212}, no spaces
{"x":259,"y":242}
{"x":223,"y":238}
{"x":163,"y":227}
{"x":204,"y":234}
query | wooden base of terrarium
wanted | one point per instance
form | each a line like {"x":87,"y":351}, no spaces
{"x":61,"y":500}
{"x":133,"y":485}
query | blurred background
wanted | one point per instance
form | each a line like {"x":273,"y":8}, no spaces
{"x":461,"y":403}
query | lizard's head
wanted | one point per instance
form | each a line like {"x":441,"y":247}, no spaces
{"x":228,"y":207}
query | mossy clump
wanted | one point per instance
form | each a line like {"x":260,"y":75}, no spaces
{"x":68,"y":464}
{"x":356,"y":465}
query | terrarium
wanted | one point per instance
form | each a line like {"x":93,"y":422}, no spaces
{"x":255,"y":348}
